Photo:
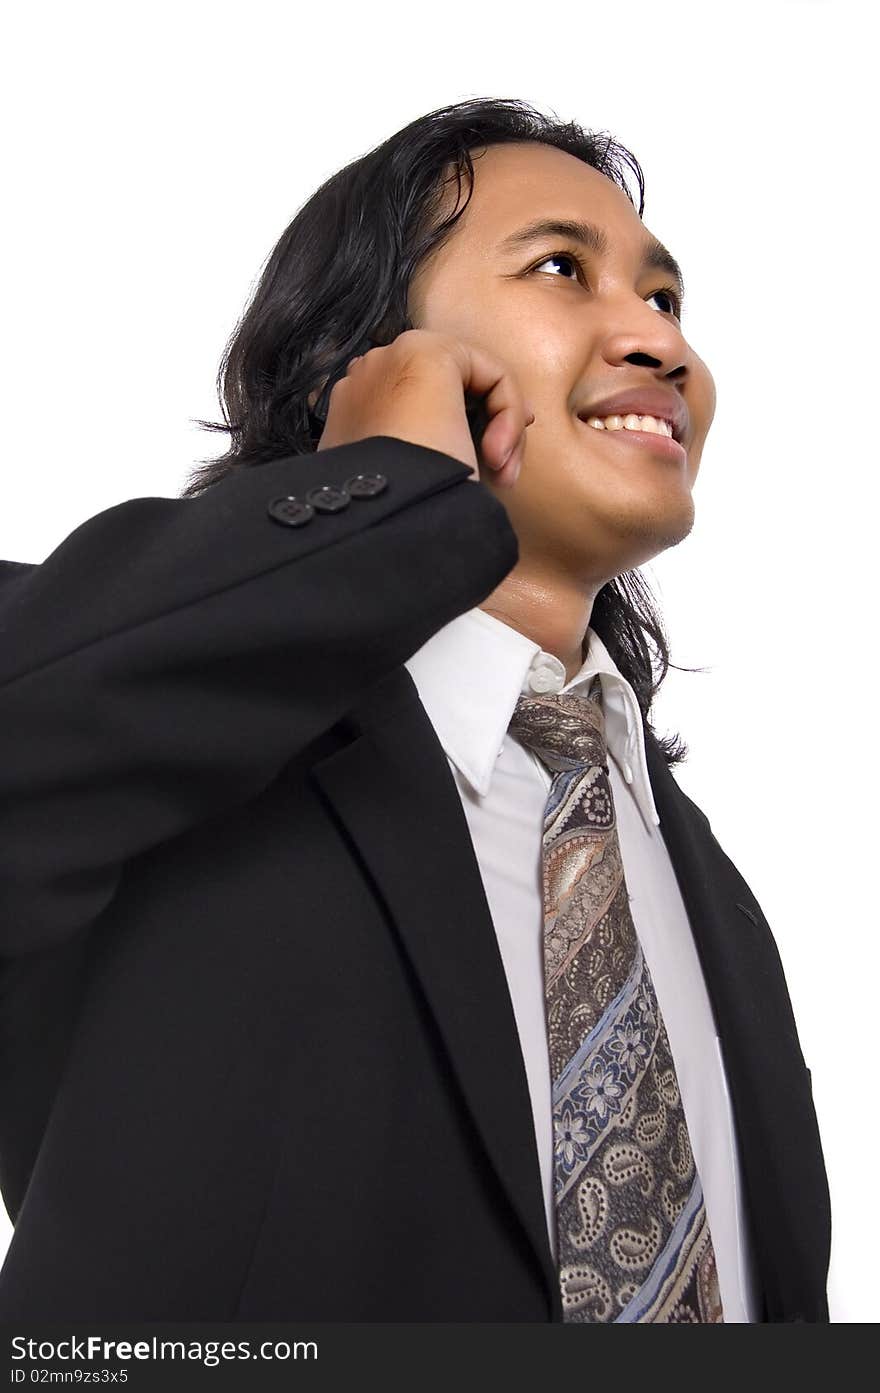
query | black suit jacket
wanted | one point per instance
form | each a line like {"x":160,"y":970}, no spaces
{"x":258,"y":1060}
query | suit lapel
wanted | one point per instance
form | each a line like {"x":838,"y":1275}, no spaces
{"x":394,"y":791}
{"x":780,"y":1150}
{"x":392,"y":788}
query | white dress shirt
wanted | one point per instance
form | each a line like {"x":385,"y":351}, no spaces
{"x":469,"y":676}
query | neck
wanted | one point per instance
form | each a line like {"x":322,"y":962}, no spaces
{"x":555,"y":616}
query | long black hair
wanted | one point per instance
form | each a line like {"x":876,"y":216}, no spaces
{"x":340,"y":274}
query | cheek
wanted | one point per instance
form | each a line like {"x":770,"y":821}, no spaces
{"x":558,"y":468}
{"x":702,"y":398}
{"x":538,"y":349}
{"x":450,"y":301}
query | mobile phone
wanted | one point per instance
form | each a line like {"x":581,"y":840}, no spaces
{"x":478,"y":417}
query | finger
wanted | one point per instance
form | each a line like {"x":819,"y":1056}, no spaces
{"x":510,"y":471}
{"x":508,"y":414}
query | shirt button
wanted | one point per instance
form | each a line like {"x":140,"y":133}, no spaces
{"x":543,"y":680}
{"x":547,"y":674}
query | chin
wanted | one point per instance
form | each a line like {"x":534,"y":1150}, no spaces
{"x":644,"y":528}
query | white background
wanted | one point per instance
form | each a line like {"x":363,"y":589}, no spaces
{"x":156,"y":153}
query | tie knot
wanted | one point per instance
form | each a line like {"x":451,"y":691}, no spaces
{"x":564,"y":729}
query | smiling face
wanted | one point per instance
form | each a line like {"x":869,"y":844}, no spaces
{"x":588,"y":504}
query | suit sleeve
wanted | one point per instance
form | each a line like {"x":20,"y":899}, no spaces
{"x":170,"y":657}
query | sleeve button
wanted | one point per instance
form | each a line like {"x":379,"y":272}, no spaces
{"x":366,"y":485}
{"x":290,"y":511}
{"x":328,"y":499}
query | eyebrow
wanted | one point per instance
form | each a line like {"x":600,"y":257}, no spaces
{"x":654,"y":255}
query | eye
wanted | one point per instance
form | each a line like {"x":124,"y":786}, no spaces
{"x":668,"y":292}
{"x":560,"y":256}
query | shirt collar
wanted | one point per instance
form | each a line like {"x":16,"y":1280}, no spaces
{"x":470,"y":673}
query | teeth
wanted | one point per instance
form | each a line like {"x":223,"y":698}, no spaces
{"x":652,"y":424}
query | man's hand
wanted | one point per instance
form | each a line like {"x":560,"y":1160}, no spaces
{"x":414,"y":389}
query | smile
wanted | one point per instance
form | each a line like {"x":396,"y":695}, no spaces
{"x":651,"y":440}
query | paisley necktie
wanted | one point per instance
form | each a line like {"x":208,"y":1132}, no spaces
{"x":633,"y":1240}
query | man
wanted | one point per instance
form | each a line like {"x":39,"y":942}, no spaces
{"x":290,"y":777}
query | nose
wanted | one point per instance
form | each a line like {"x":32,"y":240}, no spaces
{"x":647,"y":338}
